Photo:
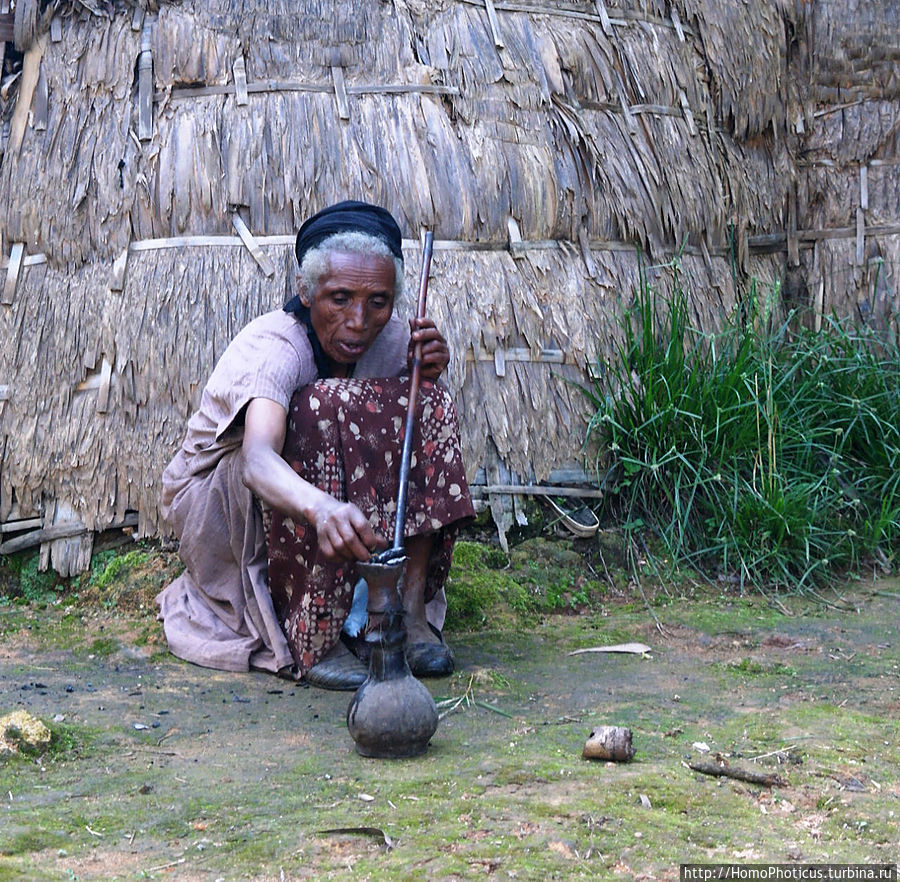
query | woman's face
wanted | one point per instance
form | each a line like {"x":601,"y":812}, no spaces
{"x":351,"y":304}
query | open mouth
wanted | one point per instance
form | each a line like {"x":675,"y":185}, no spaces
{"x":352,"y":349}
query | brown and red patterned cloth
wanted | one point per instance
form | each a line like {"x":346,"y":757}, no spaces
{"x":346,"y":436}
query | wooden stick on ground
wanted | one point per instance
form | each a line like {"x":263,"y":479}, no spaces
{"x":761,"y":778}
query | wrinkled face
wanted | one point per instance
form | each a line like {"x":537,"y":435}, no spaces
{"x":351,"y":304}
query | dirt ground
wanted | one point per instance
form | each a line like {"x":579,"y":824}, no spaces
{"x":162,"y":770}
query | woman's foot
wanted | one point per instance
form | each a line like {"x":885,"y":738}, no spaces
{"x":421,"y":632}
{"x":427,"y":654}
{"x":339,"y":669}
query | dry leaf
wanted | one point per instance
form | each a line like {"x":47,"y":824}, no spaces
{"x":633,"y":648}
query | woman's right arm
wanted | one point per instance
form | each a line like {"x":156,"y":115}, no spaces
{"x":343,"y":531}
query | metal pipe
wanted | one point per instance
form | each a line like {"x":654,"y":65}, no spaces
{"x":414,"y":378}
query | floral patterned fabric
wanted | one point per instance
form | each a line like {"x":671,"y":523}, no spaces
{"x":346,"y":437}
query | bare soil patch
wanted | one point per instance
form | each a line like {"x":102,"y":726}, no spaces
{"x":164,"y":770}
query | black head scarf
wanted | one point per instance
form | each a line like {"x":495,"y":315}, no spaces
{"x":347,"y":216}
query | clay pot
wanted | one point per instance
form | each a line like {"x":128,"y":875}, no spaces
{"x":392,"y":715}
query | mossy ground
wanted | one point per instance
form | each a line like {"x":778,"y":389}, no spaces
{"x":159,"y":769}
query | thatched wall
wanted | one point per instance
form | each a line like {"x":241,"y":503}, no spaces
{"x":543,"y":143}
{"x":848,"y":162}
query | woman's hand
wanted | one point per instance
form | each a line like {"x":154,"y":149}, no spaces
{"x":342,"y":529}
{"x":435,"y":352}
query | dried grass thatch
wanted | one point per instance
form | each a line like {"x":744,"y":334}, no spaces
{"x":156,"y":162}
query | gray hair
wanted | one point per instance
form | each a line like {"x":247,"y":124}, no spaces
{"x":317,"y":261}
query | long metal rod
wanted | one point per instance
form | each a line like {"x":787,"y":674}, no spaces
{"x":414,"y":377}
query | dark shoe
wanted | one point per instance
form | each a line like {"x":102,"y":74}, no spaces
{"x":430,"y":659}
{"x":339,"y":670}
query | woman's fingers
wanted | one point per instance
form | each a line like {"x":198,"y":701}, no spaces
{"x":435,"y":352}
{"x":435,"y":358}
{"x":344,"y":533}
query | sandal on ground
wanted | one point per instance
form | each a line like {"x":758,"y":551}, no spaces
{"x":339,"y":670}
{"x":579,"y":520}
{"x":430,"y":659}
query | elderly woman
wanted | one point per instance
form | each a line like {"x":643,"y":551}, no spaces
{"x":289,"y":470}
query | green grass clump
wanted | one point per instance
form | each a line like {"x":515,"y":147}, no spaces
{"x":109,"y":568}
{"x":21,"y":580}
{"x":767,"y":452}
{"x":127,"y":582}
{"x":479,"y":592}
{"x":488,"y":589}
{"x":554,"y":576}
{"x":123,"y":580}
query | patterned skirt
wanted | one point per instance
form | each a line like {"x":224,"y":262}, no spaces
{"x":345,"y":436}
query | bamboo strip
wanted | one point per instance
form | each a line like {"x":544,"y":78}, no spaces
{"x":145,"y":85}
{"x":103,"y":392}
{"x":239,"y":69}
{"x":860,"y":236}
{"x":622,"y":17}
{"x":515,"y":237}
{"x":262,"y":259}
{"x":793,"y":243}
{"x":117,"y":276}
{"x":494,"y":23}
{"x":13,"y":271}
{"x":531,"y":490}
{"x":228,"y":89}
{"x":31,"y":68}
{"x":340,"y":91}
{"x":402,"y":88}
{"x":275,"y":86}
{"x":687,"y":112}
{"x":846,"y":105}
{"x":628,"y":110}
{"x":604,"y":17}
{"x":850,"y":163}
{"x":761,"y":243}
{"x":185,"y":242}
{"x":546,"y":356}
{"x":652,"y":109}
{"x":861,"y":215}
